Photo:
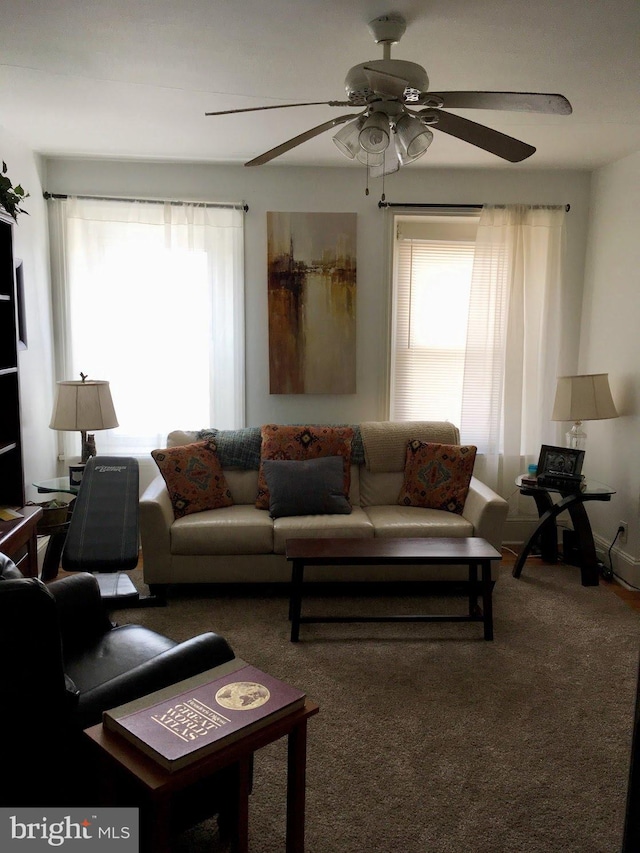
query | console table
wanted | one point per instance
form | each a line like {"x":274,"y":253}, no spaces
{"x":549,"y":509}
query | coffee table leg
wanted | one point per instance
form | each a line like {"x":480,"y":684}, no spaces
{"x":487,"y":604}
{"x":473,"y":588}
{"x":296,"y":783}
{"x":295,"y":600}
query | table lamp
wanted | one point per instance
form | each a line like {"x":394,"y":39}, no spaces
{"x":83,"y":405}
{"x":582,"y":398}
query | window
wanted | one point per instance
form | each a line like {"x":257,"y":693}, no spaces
{"x":149,"y":296}
{"x":477,"y":318}
{"x":433,"y":263}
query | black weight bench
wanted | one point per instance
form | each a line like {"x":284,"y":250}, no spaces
{"x":103,"y":530}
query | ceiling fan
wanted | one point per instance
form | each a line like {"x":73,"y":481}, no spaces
{"x":395,"y":125}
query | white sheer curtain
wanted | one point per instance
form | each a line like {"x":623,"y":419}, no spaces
{"x":513,"y":338}
{"x":150,"y":296}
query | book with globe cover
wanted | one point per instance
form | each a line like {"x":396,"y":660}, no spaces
{"x":194,"y":718}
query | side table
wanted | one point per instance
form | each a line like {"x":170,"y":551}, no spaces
{"x":18,"y":540}
{"x":158,"y":788}
{"x":57,"y":484}
{"x":548,"y":510}
{"x":58,"y":534}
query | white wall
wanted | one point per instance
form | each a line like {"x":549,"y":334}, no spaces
{"x":336,"y":189}
{"x":610,"y":343}
{"x":31,"y":245}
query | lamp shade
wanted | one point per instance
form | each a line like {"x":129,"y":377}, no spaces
{"x":83,"y":405}
{"x":583,"y":398}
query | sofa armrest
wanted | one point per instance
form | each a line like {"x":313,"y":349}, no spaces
{"x":156,"y":518}
{"x":184,"y":660}
{"x":487,"y":511}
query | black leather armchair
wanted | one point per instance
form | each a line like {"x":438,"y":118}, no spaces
{"x":63,"y":663}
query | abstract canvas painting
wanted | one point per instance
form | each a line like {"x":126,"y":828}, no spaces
{"x":312,"y":302}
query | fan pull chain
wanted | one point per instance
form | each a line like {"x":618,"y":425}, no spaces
{"x":366,"y":192}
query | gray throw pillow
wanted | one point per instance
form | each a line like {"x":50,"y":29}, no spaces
{"x":307,"y":487}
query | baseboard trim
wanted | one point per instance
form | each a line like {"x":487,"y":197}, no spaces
{"x":625,"y":567}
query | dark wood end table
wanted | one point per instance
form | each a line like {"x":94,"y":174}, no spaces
{"x":19,"y":540}
{"x":546,"y":532}
{"x":472,"y":551}
{"x":157,"y":786}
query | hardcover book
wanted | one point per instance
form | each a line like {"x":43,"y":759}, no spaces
{"x":196,"y":717}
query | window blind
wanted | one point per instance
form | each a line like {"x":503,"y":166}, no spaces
{"x":433,"y":262}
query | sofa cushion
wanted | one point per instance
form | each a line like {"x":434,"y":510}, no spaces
{"x":238,"y":529}
{"x":356,"y":525}
{"x":303,"y":442}
{"x":306,"y":486}
{"x":437,"y":476}
{"x":194,"y":477}
{"x":416,"y":522}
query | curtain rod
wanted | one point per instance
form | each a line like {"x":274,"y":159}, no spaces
{"x":381,"y":203}
{"x":243,"y":206}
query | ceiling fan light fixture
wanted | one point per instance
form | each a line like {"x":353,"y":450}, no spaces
{"x":370,"y":160}
{"x":414,"y":136}
{"x":403,"y":158}
{"x":390,"y":163}
{"x":346,"y":139}
{"x":374,"y":136}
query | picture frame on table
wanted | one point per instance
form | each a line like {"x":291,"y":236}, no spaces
{"x":560,"y":461}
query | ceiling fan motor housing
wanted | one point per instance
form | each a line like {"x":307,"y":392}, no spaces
{"x":387,"y":29}
{"x":360,"y":92}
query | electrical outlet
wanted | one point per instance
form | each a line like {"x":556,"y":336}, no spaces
{"x":623,"y":530}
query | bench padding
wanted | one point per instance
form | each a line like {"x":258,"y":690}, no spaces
{"x":103,"y":531}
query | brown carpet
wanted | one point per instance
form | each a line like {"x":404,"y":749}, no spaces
{"x":430,"y":740}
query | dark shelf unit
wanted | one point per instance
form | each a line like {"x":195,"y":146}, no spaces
{"x":11,"y":467}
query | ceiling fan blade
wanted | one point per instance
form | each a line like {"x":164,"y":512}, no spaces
{"x":384,"y":83}
{"x":298,"y":140}
{"x":529,"y":102}
{"x":281,"y":107}
{"x":490,"y":140}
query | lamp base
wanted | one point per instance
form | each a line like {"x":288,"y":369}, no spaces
{"x":577,"y":437}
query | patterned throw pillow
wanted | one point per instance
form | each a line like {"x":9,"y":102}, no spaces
{"x":437,"y":476}
{"x":194,"y":477}
{"x":303,"y":442}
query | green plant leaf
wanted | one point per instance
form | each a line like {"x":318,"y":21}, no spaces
{"x":10,"y":196}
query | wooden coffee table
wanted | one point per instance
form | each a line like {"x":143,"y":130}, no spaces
{"x":157,"y":787}
{"x":472,"y":552}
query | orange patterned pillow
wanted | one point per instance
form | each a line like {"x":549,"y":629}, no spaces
{"x":437,"y":476}
{"x":194,"y":477}
{"x":299,"y":443}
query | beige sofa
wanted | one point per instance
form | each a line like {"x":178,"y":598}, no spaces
{"x":241,"y":544}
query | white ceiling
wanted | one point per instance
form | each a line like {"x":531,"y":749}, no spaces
{"x":133,"y":78}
